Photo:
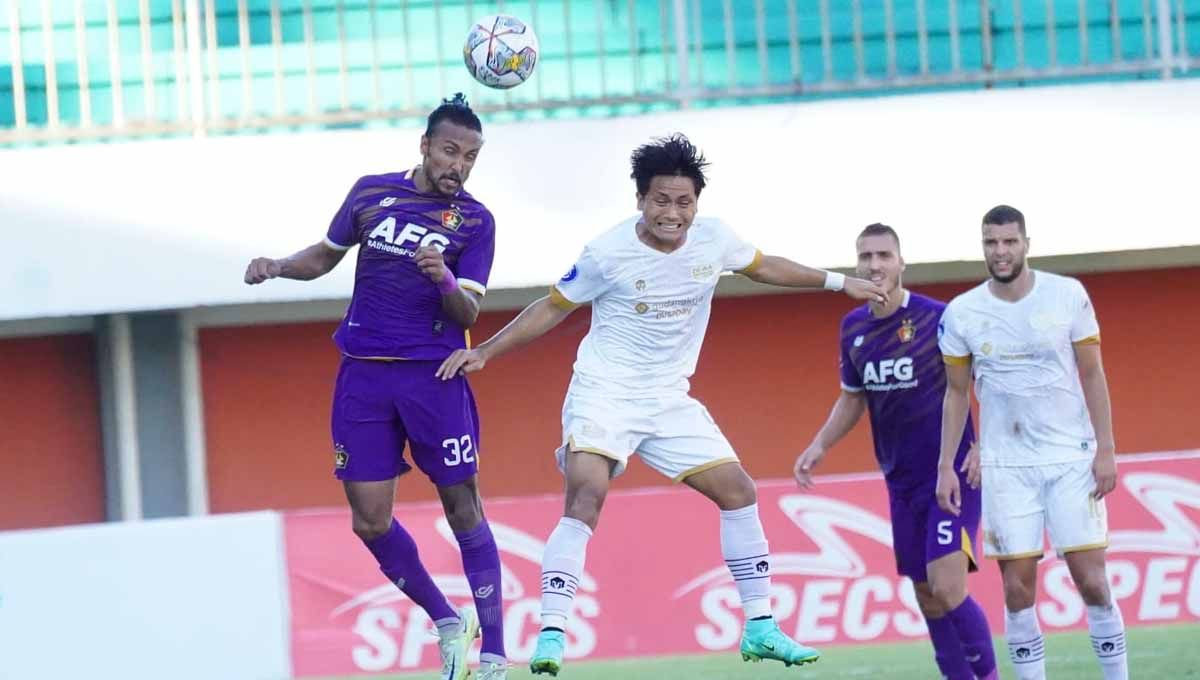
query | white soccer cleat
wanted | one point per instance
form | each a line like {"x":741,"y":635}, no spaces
{"x":456,"y":646}
{"x":492,"y":671}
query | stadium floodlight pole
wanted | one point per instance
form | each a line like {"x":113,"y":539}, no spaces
{"x":684,"y":89}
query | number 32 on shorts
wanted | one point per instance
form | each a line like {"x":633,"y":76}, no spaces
{"x":461,"y":450}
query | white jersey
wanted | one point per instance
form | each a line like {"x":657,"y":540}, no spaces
{"x":1032,"y":410}
{"x":649,"y":309}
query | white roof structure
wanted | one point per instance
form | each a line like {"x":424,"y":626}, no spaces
{"x":172,"y":223}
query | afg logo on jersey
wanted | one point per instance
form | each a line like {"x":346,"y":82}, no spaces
{"x":889,"y":374}
{"x":411,"y":237}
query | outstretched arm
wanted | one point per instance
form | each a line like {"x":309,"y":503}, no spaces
{"x":780,"y":271}
{"x":533,"y":322}
{"x":846,"y":412}
{"x":314,"y":261}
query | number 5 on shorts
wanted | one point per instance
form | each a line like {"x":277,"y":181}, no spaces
{"x":945,"y":535}
{"x":461,"y":450}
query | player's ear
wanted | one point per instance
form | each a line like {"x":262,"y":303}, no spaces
{"x":641,"y":201}
{"x":424,"y":146}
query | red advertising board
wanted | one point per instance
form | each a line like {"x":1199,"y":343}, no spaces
{"x":655,"y":582}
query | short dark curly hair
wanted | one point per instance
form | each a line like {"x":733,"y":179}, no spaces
{"x":456,"y":110}
{"x":674,"y":155}
{"x":1005,"y":214}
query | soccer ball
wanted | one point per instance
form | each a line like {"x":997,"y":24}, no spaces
{"x":501,"y":51}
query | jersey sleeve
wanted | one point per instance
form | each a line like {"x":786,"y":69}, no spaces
{"x":951,"y":342}
{"x":474,"y":265}
{"x":851,"y":380}
{"x":738,"y":256}
{"x":1085,"y":329}
{"x":583,"y":283}
{"x":343,"y":229}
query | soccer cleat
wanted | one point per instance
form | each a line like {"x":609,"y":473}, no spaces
{"x":456,"y":646}
{"x":762,"y":639}
{"x":548,"y":656}
{"x":492,"y":671}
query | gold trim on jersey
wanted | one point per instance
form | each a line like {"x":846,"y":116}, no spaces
{"x":1020,"y":556}
{"x":956,"y":361}
{"x":561,"y":300}
{"x":1084,"y":548}
{"x":749,"y":269}
{"x":701,"y":468}
{"x":1090,"y":340}
{"x":969,"y":549}
{"x":572,"y":448}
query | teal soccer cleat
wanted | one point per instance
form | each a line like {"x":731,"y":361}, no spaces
{"x":548,"y":657}
{"x":763,"y":640}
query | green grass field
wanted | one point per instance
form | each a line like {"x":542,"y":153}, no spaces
{"x":1155,"y":653}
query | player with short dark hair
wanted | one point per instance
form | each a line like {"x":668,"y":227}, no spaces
{"x":892,"y":369}
{"x":426,"y":249}
{"x":1047,"y":457}
{"x":650,"y":281}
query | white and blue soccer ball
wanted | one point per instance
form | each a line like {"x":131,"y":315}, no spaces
{"x":501,"y":51}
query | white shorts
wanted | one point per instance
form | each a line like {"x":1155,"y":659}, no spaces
{"x":675,"y":435}
{"x":1021,"y":503}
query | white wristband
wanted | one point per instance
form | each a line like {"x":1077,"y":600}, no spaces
{"x":834,"y":281}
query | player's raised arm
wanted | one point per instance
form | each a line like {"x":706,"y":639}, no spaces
{"x":780,"y":271}
{"x":846,"y":412}
{"x":314,"y":261}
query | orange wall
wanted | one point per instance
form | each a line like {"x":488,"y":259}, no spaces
{"x":50,"y":441}
{"x":768,"y":373}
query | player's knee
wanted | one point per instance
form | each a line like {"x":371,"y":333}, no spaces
{"x":464,"y":517}
{"x":369,"y":529}
{"x":1017,"y":596}
{"x":947,"y":595}
{"x":1094,"y":588}
{"x":927,"y":603}
{"x":584,"y":504}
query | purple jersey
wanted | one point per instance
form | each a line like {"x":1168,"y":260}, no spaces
{"x":396,"y":310}
{"x":896,"y":361}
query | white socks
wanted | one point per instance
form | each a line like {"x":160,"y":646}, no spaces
{"x":1026,"y":647}
{"x":744,"y":547}
{"x":562,"y":565}
{"x":1108,"y":640}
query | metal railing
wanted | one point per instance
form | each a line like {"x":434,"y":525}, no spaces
{"x":81,"y":69}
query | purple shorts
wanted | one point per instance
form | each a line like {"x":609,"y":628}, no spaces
{"x":922,"y":532}
{"x":379,"y":406}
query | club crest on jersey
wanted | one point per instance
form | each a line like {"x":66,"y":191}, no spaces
{"x":640,"y":284}
{"x":452,"y":219}
{"x":907,"y":331}
{"x":641,"y":308}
